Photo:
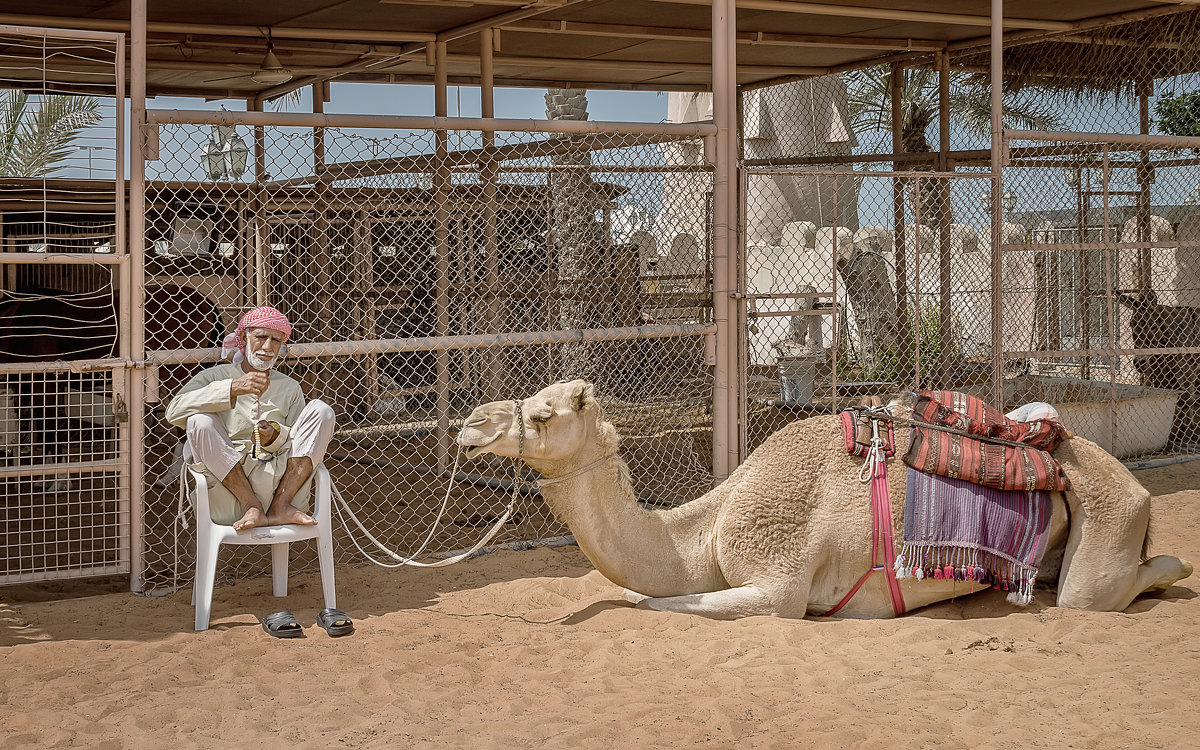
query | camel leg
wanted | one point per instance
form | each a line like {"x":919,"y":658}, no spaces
{"x":1102,"y":568}
{"x":726,"y":604}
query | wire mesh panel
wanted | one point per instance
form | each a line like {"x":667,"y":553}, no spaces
{"x":1107,"y":265}
{"x":64,"y":471}
{"x":427,"y":272}
{"x":860,"y":307}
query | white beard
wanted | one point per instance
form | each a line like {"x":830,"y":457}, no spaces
{"x":258,"y":363}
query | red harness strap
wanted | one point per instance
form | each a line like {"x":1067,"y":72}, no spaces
{"x":881,"y":529}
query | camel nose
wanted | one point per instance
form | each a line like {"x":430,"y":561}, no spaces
{"x":483,"y":425}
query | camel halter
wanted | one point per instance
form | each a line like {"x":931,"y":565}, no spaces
{"x":343,"y":507}
{"x":544,"y":480}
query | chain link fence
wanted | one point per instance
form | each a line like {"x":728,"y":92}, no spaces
{"x":1097,"y":283}
{"x":426,"y":272}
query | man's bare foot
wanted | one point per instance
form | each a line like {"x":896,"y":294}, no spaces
{"x":253,"y":517}
{"x":289,"y":514}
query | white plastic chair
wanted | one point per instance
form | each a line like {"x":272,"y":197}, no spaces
{"x":210,"y":536}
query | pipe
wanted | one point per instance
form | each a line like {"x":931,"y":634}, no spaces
{"x":437,"y":343}
{"x":489,"y":175}
{"x":407,"y":122}
{"x":723,"y":103}
{"x":997,"y":104}
{"x":257,"y":32}
{"x":1154,"y":463}
{"x":885,"y":14}
{"x":441,"y":232}
{"x":136,"y":293}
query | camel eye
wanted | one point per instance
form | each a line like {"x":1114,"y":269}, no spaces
{"x":541,"y":417}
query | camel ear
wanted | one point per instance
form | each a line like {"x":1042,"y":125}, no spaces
{"x":583,"y":395}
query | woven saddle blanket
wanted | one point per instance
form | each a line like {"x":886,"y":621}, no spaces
{"x":957,"y":530}
{"x":1005,"y":467}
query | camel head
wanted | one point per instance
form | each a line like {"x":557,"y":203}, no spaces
{"x":560,"y":423}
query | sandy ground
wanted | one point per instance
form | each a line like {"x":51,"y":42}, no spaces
{"x":537,"y":649}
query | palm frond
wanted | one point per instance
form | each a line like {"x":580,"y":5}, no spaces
{"x":13,"y":103}
{"x":44,"y":136}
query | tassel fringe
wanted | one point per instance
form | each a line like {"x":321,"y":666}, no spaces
{"x":950,"y":563}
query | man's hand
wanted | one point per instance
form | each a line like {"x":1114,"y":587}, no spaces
{"x":267,"y":432}
{"x":250,"y":384}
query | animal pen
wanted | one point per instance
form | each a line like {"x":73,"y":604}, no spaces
{"x":835,"y":208}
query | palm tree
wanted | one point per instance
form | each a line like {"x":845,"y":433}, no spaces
{"x":36,"y":136}
{"x":869,"y":110}
{"x":870,"y":106}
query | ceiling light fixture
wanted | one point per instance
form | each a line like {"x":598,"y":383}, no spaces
{"x":271,"y":71}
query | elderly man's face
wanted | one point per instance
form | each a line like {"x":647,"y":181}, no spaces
{"x":262,"y":347}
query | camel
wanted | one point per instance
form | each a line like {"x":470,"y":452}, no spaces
{"x":789,"y":532}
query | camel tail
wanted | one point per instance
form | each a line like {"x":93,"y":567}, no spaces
{"x":1146,"y":540}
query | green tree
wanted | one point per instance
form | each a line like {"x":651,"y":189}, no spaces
{"x":36,"y":133}
{"x":870,"y":106}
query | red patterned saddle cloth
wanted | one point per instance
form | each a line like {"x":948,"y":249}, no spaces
{"x":1007,"y":467}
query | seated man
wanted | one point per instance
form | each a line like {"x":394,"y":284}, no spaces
{"x":251,"y":430}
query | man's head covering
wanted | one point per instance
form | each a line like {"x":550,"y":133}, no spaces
{"x":259,"y":317}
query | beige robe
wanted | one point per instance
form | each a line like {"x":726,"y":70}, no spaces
{"x":208,"y":392}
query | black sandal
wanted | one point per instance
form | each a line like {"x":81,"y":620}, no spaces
{"x":282,"y":625}
{"x":335,"y":622}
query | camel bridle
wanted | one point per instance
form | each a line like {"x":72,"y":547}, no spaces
{"x":519,"y":416}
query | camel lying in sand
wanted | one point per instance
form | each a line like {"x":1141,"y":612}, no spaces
{"x":789,"y":532}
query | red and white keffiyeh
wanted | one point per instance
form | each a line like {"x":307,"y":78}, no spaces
{"x":259,"y":317}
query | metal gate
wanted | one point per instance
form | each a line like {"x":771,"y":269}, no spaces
{"x":64,"y":307}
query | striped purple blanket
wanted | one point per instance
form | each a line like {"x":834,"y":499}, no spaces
{"x":958,"y":530}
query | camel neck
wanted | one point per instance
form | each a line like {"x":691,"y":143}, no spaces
{"x":648,"y":551}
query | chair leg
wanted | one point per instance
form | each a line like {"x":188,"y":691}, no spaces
{"x":279,"y":568}
{"x":325,"y":557}
{"x":207,"y":548}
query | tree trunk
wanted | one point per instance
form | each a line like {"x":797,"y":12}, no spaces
{"x":576,"y":237}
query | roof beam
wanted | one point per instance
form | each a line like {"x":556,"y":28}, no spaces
{"x":884,"y":14}
{"x":257,"y":32}
{"x":579,"y":28}
{"x":537,"y":7}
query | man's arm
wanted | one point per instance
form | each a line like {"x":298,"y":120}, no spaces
{"x":208,"y":392}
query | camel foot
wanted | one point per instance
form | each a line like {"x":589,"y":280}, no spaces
{"x":290,"y":515}
{"x":1161,"y":572}
{"x":252,"y":518}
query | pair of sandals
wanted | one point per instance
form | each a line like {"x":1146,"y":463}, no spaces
{"x":285,"y":625}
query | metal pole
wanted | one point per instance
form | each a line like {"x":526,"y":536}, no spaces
{"x":899,"y":242}
{"x":411,"y":122}
{"x":441,"y":219}
{"x":722,"y":229}
{"x":1110,"y":308}
{"x":997,"y":76}
{"x":136,"y":291}
{"x":944,"y":187}
{"x":736,"y":277}
{"x":261,"y":232}
{"x":1145,"y":177}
